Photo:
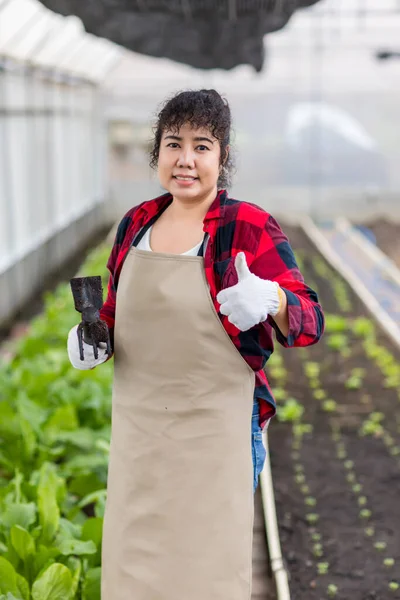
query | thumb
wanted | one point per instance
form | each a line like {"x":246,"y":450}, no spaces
{"x":242,"y":269}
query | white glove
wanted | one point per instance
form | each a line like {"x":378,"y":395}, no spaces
{"x":89,"y":361}
{"x":251,"y":300}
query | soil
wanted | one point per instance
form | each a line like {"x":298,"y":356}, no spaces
{"x":387,"y":237}
{"x":356,"y":565}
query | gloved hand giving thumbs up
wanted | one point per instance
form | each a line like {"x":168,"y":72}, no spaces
{"x":251,"y":300}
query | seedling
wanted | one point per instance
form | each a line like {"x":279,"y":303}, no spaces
{"x":392,"y":382}
{"x":278,"y":373}
{"x":358,"y":372}
{"x":380,"y":546}
{"x":337,"y":341}
{"x":296,"y":444}
{"x":291,"y":411}
{"x":370,"y":427}
{"x":354,"y":382}
{"x":329,"y":406}
{"x":332,"y":590}
{"x":335,"y":324}
{"x":312,"y":518}
{"x":322,"y":568}
{"x":316,"y":537}
{"x":357,"y":487}
{"x":366,"y":399}
{"x":341,"y":295}
{"x":388,"y":440}
{"x":388,"y":562}
{"x":319,"y":394}
{"x":393,"y":586}
{"x":363,"y":327}
{"x":310,"y":501}
{"x":300,"y":429}
{"x":348,"y":464}
{"x":365,"y":513}
{"x":369,"y":531}
{"x":362,"y":501}
{"x":376,"y":417}
{"x":305,"y":489}
{"x":318,"y":550}
{"x":312,"y":370}
{"x":279,"y":394}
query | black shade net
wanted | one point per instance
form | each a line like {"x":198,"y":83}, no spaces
{"x":206,"y":34}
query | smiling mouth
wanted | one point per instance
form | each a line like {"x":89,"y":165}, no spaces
{"x":182,"y":178}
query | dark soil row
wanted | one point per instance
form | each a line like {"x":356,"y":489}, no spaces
{"x":362,"y":550}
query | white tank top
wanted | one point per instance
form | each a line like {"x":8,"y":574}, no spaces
{"x":144,"y":244}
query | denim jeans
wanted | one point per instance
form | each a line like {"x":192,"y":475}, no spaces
{"x":257,"y":447}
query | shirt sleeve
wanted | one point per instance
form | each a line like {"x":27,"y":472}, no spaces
{"x":107,"y":312}
{"x":275,"y":260}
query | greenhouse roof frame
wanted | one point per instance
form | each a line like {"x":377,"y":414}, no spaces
{"x":32,"y":34}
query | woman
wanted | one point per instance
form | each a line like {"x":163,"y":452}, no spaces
{"x":197,"y":283}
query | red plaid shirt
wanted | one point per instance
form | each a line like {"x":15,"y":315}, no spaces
{"x":234,"y":227}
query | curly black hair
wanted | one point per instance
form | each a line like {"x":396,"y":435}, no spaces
{"x":200,"y":109}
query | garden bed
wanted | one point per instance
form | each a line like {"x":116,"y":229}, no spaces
{"x":335,"y":450}
{"x":54,"y":442}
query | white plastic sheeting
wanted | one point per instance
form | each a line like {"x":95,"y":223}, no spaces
{"x":31,"y":33}
{"x":51,"y":160}
{"x":52,"y":134}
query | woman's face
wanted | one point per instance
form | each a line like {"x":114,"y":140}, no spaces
{"x":189,"y":163}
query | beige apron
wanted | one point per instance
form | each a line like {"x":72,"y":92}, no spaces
{"x":179,"y":515}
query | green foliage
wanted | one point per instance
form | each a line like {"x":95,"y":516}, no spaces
{"x":339,"y":342}
{"x":355,"y":380}
{"x":329,"y":406}
{"x":363,"y":327}
{"x":380,"y":546}
{"x":332,"y":590}
{"x":323,"y":568}
{"x":312,"y":518}
{"x":290,"y":411}
{"x":372,"y":425}
{"x":54,"y":437}
{"x":388,"y":562}
{"x":312,"y":370}
{"x":336,"y":324}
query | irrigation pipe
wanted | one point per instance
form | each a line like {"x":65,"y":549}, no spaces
{"x":271,"y":526}
{"x":319,"y":240}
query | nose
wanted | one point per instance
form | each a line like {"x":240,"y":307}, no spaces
{"x":186,"y":158}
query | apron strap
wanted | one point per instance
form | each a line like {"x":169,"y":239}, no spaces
{"x":146,"y":227}
{"x":202,"y":248}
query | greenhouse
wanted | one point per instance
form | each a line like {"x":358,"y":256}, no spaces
{"x":125,"y":463}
